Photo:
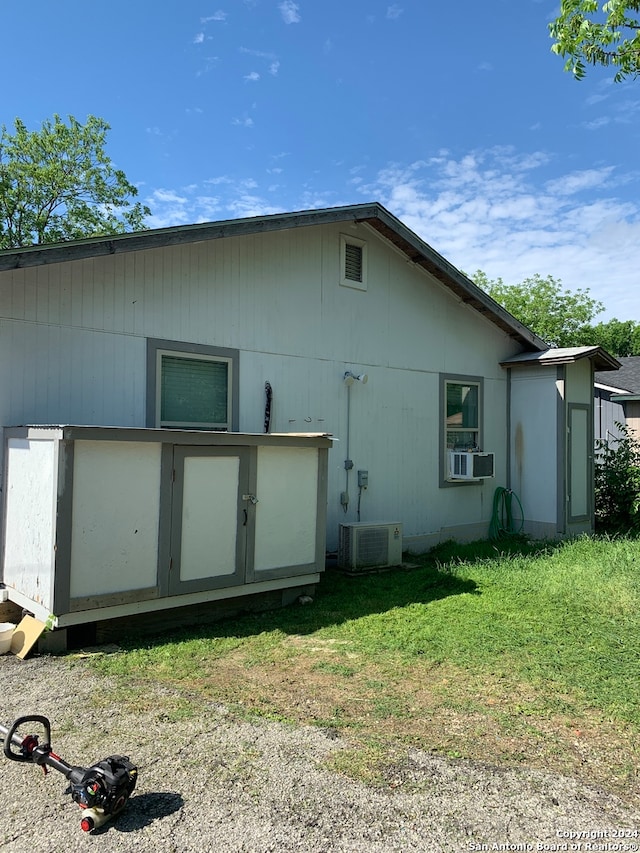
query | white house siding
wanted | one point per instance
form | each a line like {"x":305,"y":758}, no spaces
{"x":579,"y":382}
{"x":58,"y":374}
{"x":73,"y":350}
{"x":534,"y":459}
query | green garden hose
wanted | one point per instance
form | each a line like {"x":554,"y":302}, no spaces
{"x":502,"y":520}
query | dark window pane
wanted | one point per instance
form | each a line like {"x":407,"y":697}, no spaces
{"x":462,"y":406}
{"x":193,"y":391}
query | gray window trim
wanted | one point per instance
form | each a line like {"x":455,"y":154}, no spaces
{"x":188,"y":349}
{"x":442,"y":438}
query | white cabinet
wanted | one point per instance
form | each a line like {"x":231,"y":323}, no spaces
{"x":103,"y":522}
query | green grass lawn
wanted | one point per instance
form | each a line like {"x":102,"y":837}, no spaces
{"x":511,"y":653}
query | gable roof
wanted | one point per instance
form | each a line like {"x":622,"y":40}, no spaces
{"x":627,"y":378}
{"x":372,"y":214}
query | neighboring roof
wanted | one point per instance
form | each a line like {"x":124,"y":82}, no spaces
{"x":565,"y":355}
{"x":628,"y":377}
{"x":373,"y":214}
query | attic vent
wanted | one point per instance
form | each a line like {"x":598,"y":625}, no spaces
{"x":353,"y":262}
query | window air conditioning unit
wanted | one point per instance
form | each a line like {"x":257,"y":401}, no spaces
{"x":467,"y":465}
{"x":365,"y":546}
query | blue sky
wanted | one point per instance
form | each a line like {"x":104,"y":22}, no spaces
{"x":456,"y":117}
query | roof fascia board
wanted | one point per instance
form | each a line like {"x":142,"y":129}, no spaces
{"x":178,"y":235}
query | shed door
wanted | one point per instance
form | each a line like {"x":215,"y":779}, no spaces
{"x":209,"y":518}
{"x":580,"y":479}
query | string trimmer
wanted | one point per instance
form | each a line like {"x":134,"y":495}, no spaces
{"x":101,"y":790}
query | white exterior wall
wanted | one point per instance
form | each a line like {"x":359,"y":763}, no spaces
{"x":31,"y":484}
{"x":579,"y":382}
{"x":534,"y":459}
{"x":73,"y":350}
{"x":552,"y":446}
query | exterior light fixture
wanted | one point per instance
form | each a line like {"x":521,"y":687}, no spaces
{"x":350,"y":378}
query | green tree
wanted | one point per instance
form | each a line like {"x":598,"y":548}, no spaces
{"x":560,"y":317}
{"x":589,"y":32}
{"x":57,"y":184}
{"x":619,"y":337}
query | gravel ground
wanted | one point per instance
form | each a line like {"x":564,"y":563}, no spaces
{"x":212,"y":783}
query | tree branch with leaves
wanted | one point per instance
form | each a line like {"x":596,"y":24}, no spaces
{"x":57,"y":183}
{"x":588,"y":32}
{"x":562,"y":318}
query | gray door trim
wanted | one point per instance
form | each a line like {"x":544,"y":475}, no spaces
{"x":235,"y":578}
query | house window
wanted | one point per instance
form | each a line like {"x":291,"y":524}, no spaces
{"x":353,"y":262}
{"x":461,"y":417}
{"x":191,"y":386}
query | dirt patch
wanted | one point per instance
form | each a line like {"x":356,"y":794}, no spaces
{"x":432,"y":707}
{"x":211,"y":781}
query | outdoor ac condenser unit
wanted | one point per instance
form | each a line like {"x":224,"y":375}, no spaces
{"x":467,"y":465}
{"x":364,"y":546}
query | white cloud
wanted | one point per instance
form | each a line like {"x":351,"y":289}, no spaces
{"x":490,"y":210}
{"x":251,"y":205}
{"x":261,"y":54}
{"x":209,"y":63}
{"x":198,"y":38}
{"x":394,"y":12}
{"x":207,"y":207}
{"x":217,"y":16}
{"x":166,"y":196}
{"x":274,"y":63}
{"x":252,"y":77}
{"x":597,"y":123}
{"x":190,"y":204}
{"x":578,"y":181}
{"x":220,"y":179}
{"x":168,"y":208}
{"x":290,"y":12}
{"x":243,"y":122}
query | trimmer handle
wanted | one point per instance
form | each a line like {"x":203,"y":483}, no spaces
{"x":28,"y":743}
